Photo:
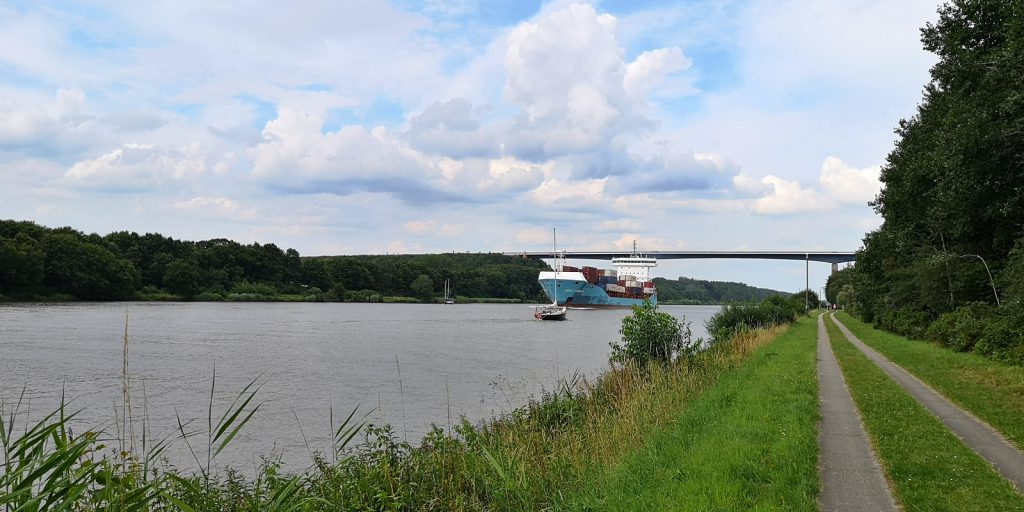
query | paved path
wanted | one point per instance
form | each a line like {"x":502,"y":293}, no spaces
{"x":851,"y":478}
{"x":976,"y":434}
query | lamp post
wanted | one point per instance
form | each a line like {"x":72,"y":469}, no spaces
{"x":990,"y":280}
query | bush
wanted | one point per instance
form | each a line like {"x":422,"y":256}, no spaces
{"x":1003,"y":336}
{"x":735,"y":318}
{"x":209,"y":297}
{"x":960,"y":329}
{"x":651,"y":335}
{"x":905,"y":321}
{"x":247,"y":288}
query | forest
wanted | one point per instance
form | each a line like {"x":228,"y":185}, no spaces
{"x":43,"y":263}
{"x":947,"y":263}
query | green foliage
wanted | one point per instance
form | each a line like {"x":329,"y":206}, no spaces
{"x":422,"y":287}
{"x":836,"y":283}
{"x":698,"y":291}
{"x":21,"y":263}
{"x":86,"y":270}
{"x":737,"y":318}
{"x":649,"y":335}
{"x":183,"y":278}
{"x":806,"y":297}
{"x":1003,"y":337}
{"x":953,"y":189}
{"x":960,"y":329}
{"x":1011,"y":279}
{"x":39,"y":262}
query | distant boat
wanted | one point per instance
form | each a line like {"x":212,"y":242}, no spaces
{"x":552,"y":311}
{"x":448,"y":298}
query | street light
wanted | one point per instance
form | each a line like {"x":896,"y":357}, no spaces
{"x":990,"y":280}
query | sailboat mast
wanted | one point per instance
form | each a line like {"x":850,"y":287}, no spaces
{"x":554,"y":253}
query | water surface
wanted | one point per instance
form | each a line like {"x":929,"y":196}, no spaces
{"x":409,"y":365}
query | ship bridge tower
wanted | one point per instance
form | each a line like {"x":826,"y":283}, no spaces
{"x":635,"y":266}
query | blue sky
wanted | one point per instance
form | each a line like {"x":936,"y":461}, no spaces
{"x":373,"y":127}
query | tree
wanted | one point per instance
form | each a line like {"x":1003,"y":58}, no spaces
{"x":651,"y":335}
{"x":86,"y":270}
{"x":21,"y":264}
{"x":183,"y":278}
{"x":422,"y":287}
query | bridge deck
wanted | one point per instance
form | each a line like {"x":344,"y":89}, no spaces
{"x":822,"y":256}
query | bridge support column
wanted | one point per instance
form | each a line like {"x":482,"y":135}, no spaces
{"x":807,"y":283}
{"x":835,"y":268}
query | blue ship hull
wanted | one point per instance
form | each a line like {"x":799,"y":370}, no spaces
{"x":582,"y":293}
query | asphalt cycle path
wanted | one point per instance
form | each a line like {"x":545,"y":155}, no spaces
{"x":976,"y":434}
{"x":851,"y":477}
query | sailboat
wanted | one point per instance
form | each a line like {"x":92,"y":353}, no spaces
{"x":448,"y":297}
{"x":552,"y":311}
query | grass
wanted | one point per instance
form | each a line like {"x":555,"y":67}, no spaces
{"x":747,"y":443}
{"x":991,"y":390}
{"x":928,"y":467}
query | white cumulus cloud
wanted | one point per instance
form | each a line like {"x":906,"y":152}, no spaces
{"x":139,"y":166}
{"x":849,"y":184}
{"x":651,"y":68}
{"x":217,"y":207}
{"x":785,"y":196}
{"x":567,"y":72}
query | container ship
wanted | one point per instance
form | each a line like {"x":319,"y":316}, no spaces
{"x":627,"y":284}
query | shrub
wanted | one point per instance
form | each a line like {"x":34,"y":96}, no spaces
{"x":1003,"y":335}
{"x":905,"y":321}
{"x":209,"y":297}
{"x":651,"y":335}
{"x":247,"y":288}
{"x":735,"y":318}
{"x":960,"y":329}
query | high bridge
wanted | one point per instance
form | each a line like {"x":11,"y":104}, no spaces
{"x":834,"y":257}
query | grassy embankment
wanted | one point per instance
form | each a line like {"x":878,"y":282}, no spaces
{"x":748,"y":442}
{"x":928,"y":467}
{"x":537,"y":457}
{"x":991,"y":390}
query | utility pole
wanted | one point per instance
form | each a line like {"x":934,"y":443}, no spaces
{"x":807,"y":283}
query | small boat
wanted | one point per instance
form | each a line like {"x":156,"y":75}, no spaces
{"x":549,"y":312}
{"x":552,"y":311}
{"x":448,"y":298}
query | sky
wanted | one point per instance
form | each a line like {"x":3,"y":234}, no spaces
{"x":367,"y":127}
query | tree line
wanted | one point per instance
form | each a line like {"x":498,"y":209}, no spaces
{"x":698,"y":291}
{"x":947,"y":263}
{"x":37,"y":262}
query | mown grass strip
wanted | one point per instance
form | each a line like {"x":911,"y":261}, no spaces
{"x":991,"y":390}
{"x":928,"y":467}
{"x":749,"y":442}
